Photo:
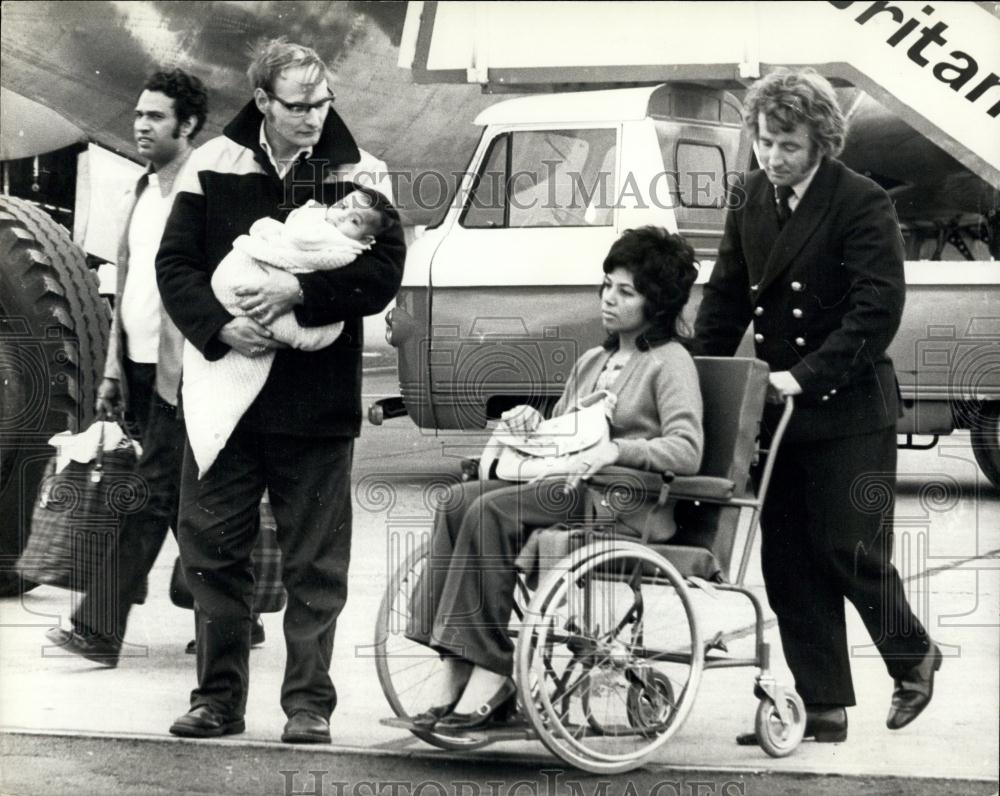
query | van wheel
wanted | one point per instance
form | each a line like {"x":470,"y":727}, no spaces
{"x":53,"y":338}
{"x":986,"y":442}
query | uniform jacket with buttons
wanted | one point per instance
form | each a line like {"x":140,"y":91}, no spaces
{"x":230,"y":183}
{"x":824,"y":294}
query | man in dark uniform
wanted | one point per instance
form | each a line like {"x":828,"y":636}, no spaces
{"x":812,"y":256}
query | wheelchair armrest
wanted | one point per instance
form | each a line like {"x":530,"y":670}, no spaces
{"x":647,"y":483}
{"x":664,"y":485}
{"x":702,"y":487}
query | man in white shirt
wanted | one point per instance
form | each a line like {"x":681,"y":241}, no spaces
{"x":142,"y":370}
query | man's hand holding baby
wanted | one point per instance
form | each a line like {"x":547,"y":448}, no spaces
{"x":265,"y":302}
{"x":248,"y":337}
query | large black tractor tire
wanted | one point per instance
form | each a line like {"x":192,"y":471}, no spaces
{"x":986,"y":442}
{"x":53,"y":338}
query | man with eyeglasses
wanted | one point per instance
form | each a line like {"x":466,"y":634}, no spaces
{"x":285,"y":147}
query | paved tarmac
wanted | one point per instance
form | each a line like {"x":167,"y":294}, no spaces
{"x":950,"y":558}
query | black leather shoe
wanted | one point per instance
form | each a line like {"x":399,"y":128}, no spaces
{"x":913,"y":691}
{"x":206,"y":722}
{"x":304,"y":726}
{"x":58,"y":636}
{"x":431,"y":716}
{"x":93,"y":648}
{"x":256,"y":638}
{"x":481,"y":716}
{"x":827,"y":725}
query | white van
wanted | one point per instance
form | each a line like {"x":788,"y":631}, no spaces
{"x":498,"y":298}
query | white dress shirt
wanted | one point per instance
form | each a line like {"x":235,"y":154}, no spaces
{"x":800,"y":188}
{"x":281,"y":167}
{"x":140,"y":299}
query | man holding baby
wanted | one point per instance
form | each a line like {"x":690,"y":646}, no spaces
{"x":287,"y":146}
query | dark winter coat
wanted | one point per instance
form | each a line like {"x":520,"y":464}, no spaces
{"x":229,"y":184}
{"x":824,"y":294}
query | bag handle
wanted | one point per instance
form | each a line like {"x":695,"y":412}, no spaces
{"x":97,"y":471}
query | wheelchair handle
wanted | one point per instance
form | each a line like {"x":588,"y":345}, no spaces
{"x":765,"y":481}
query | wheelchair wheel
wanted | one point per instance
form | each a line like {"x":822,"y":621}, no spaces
{"x":651,"y":702}
{"x":776,"y":737}
{"x":609,"y":656}
{"x":410,"y":673}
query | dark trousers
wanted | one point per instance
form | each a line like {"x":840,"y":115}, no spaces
{"x":462,"y":605}
{"x":826,"y":535}
{"x":105,"y":607}
{"x":308,"y":482}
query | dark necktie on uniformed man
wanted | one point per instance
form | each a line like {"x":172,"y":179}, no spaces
{"x":782,"y":194}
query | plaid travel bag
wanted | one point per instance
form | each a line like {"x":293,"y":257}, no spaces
{"x":268,"y":592}
{"x":79,"y":512}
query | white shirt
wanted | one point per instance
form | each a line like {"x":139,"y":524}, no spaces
{"x":140,"y":299}
{"x":800,"y":188}
{"x":282,"y":169}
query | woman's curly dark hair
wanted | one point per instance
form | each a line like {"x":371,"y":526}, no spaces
{"x":663,"y":268}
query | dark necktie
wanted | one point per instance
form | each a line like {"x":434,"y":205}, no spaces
{"x":783,"y":193}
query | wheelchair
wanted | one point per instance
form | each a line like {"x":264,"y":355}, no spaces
{"x":609,"y":651}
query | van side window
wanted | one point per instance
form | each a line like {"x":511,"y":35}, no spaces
{"x":551,"y":178}
{"x":701,"y":175}
{"x":487,"y":202}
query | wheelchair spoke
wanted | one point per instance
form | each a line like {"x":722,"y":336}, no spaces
{"x":401,"y":670}
{"x":411,"y":674}
{"x":615,"y":658}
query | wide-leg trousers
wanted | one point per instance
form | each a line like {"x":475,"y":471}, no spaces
{"x":827,"y":535}
{"x":308,"y":482}
{"x":463,"y":603}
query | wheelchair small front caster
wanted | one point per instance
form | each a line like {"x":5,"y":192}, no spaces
{"x":777,"y":736}
{"x":651,"y":703}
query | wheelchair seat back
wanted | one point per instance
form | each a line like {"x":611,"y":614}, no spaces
{"x":733,"y":393}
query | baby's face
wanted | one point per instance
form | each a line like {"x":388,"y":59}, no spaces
{"x":354,"y":216}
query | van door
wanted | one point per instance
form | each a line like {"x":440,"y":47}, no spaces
{"x":508,"y":287}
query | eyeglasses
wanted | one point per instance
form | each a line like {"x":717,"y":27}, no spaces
{"x":302,"y":108}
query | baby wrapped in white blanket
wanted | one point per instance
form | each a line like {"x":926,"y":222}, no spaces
{"x":217,"y":394}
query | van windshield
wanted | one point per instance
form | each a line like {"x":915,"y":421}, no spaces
{"x":546,"y":178}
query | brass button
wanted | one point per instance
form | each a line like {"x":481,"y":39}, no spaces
{"x":759,"y":337}
{"x":833,"y":391}
{"x":755,"y":287}
{"x":800,"y":341}
{"x":825,"y":398}
{"x":797,"y":312}
{"x":797,"y":287}
{"x":758,"y":311}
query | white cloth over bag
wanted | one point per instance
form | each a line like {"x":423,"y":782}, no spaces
{"x":546,"y":450}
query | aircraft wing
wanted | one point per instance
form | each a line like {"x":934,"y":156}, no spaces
{"x":85,"y":62}
{"x":935,"y":67}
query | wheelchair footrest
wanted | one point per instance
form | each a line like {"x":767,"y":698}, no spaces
{"x":517,"y":729}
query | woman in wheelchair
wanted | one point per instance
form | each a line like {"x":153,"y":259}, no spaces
{"x":462,"y":605}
